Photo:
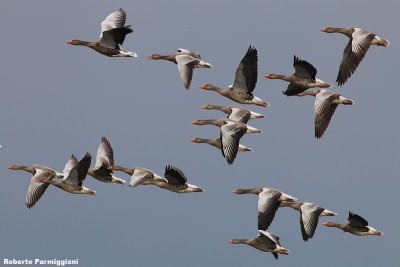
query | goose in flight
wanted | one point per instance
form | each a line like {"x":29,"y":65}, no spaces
{"x":325,"y":105}
{"x":245,"y":82}
{"x":104,"y":159}
{"x":112,"y":36}
{"x":186,"y":60}
{"x":355,"y":50}
{"x":265,"y":241}
{"x":36,"y":189}
{"x":302,"y":79}
{"x":357,"y":226}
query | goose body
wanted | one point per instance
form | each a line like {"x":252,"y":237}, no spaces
{"x":325,"y":106}
{"x":302,"y":79}
{"x":357,"y":226}
{"x":36,"y":188}
{"x":230,"y":134}
{"x":355,"y":50}
{"x":104,"y":159}
{"x":175,"y":180}
{"x":245,"y":81}
{"x":112,"y":36}
{"x":309,"y":215}
{"x":235,"y":113}
{"x":138,"y":175}
{"x":269,"y":200}
{"x":74,"y":174}
{"x":216,"y":142}
{"x":186,"y":60}
{"x":265,"y":241}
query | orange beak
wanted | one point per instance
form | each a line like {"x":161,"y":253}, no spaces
{"x":203,"y":86}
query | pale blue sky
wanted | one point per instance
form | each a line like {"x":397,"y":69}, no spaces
{"x":59,"y":99}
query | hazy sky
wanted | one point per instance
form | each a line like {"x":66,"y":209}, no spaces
{"x":59,"y":99}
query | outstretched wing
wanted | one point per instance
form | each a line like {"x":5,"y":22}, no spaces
{"x":246,"y":73}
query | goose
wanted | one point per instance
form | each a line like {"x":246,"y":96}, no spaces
{"x":36,"y":189}
{"x":235,"y":113}
{"x":357,"y":226}
{"x":186,"y":61}
{"x":175,"y":180}
{"x":74,"y":174}
{"x":245,"y":81}
{"x":269,"y":200}
{"x":104,"y":159}
{"x":230,"y":134}
{"x":216,"y":142}
{"x":222,"y":121}
{"x":138,"y":174}
{"x":309,"y":214}
{"x":265,"y":241}
{"x":355,"y":50}
{"x":325,"y":105}
{"x":302,"y":79}
{"x":111,"y":38}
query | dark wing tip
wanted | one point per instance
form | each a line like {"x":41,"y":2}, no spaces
{"x":174,"y":171}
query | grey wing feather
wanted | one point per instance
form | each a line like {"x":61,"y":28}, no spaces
{"x":138,"y":176}
{"x":353,"y":53}
{"x":230,"y":135}
{"x":246,"y":73}
{"x":186,"y":65}
{"x":105,"y":154}
{"x":71,"y":163}
{"x":309,"y":221}
{"x":240,"y":115}
{"x":324,"y":110}
{"x":114,"y":20}
{"x":79,"y":172}
{"x":36,"y":189}
{"x":268,"y":204}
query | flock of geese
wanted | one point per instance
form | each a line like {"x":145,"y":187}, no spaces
{"x":232,"y":128}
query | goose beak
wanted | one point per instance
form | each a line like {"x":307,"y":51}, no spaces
{"x":69,"y":42}
{"x":203,"y":86}
{"x":194,"y":122}
{"x":268,"y":75}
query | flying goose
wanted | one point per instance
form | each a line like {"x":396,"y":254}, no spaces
{"x":230,"y":134}
{"x":325,"y":105}
{"x":269,"y":200}
{"x":309,"y":214}
{"x":175,"y":180}
{"x":111,"y":38}
{"x":74,"y":174}
{"x":245,"y":81}
{"x":236,"y":113}
{"x":138,"y":175}
{"x":36,"y":189}
{"x":186,"y":61}
{"x":357,"y":226}
{"x":104,"y":159}
{"x":302,"y":79}
{"x":355,"y":50}
{"x":216,"y":142}
{"x":265,"y":241}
